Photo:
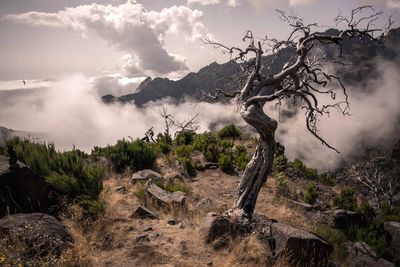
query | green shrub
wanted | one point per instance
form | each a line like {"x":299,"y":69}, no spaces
{"x":173,"y":186}
{"x":164,"y":142}
{"x":280,"y":162}
{"x":185,"y":137}
{"x":299,"y":166}
{"x":229,"y":131}
{"x":327,"y":179}
{"x":225,"y":162}
{"x":70,"y":174}
{"x":242,"y":158}
{"x":177,"y":186}
{"x":137,"y":155}
{"x":311,"y":194}
{"x":187,"y":166}
{"x":281,"y":184}
{"x":207,"y":144}
{"x":140,"y":191}
{"x":336,"y":238}
{"x":183,"y":151}
{"x":346,"y":199}
{"x":92,"y":207}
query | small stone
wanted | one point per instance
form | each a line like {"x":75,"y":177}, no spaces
{"x":121,"y":189}
{"x":145,"y":175}
{"x":143,"y":213}
{"x":172,"y":222}
{"x":144,"y":237}
{"x":164,"y":198}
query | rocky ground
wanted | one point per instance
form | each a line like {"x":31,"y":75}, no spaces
{"x":151,"y":227}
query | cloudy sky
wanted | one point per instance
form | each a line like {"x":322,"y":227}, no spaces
{"x":70,"y":52}
{"x":43,"y":39}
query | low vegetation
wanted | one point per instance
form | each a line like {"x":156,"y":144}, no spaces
{"x":136,"y":155}
{"x":71,"y":174}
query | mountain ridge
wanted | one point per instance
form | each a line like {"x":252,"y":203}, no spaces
{"x":363,"y":61}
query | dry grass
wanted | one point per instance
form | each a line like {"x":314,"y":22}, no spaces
{"x":118,"y":240}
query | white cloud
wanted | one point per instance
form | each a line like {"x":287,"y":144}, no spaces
{"x":231,"y":3}
{"x":301,"y":2}
{"x":70,"y":113}
{"x":395,"y":4}
{"x":130,"y":28}
{"x":29,"y":84}
{"x":373,"y":123}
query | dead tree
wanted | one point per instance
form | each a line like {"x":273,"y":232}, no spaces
{"x":189,"y":124}
{"x":168,"y":119}
{"x":302,"y":79}
{"x":381,"y":185}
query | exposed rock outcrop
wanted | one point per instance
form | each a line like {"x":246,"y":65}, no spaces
{"x":342,"y":219}
{"x":143,"y":213}
{"x":21,"y":190}
{"x":40,"y":234}
{"x":287,"y":243}
{"x":299,"y":247}
{"x":163,"y":198}
{"x":393,"y":228}
{"x":145,"y":175}
{"x":362,"y":255}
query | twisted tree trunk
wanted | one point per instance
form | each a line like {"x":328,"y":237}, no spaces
{"x":260,"y":166}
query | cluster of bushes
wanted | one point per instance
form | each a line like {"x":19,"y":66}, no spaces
{"x":310,"y":194}
{"x":216,"y":147}
{"x":368,"y":228}
{"x":281,"y":163}
{"x":71,"y":174}
{"x":282,"y":184}
{"x":136,"y":155}
{"x":299,"y":166}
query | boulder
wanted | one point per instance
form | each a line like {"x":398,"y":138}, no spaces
{"x":362,"y":255}
{"x":21,"y":190}
{"x":41,"y":233}
{"x":393,"y":228}
{"x":143,"y":213}
{"x":216,"y":226}
{"x":145,"y":175}
{"x":342,"y":219}
{"x":164,"y":198}
{"x":299,"y":247}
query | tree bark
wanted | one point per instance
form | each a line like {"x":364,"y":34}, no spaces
{"x":260,"y":166}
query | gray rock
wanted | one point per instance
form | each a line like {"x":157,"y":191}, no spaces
{"x":41,"y":232}
{"x":344,"y":218}
{"x":215,"y":226}
{"x":304,"y":247}
{"x":145,"y":175}
{"x":172,"y":222}
{"x":143,"y":213}
{"x":296,"y":204}
{"x":210,"y":165}
{"x":121,"y":189}
{"x":21,"y":190}
{"x":393,"y":228}
{"x":141,"y":238}
{"x":362,"y":255}
{"x":164,"y":198}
